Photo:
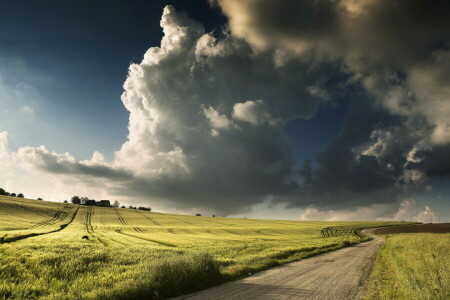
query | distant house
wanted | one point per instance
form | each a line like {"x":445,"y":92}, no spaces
{"x":103,"y":203}
{"x":88,"y":202}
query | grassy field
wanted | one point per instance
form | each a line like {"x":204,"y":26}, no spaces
{"x":412,"y":266}
{"x":134,"y":254}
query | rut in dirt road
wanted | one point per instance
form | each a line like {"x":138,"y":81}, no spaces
{"x":340,"y":274}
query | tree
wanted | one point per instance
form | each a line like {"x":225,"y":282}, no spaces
{"x":65,"y":201}
{"x":21,"y":196}
{"x":2,"y":192}
{"x":13,"y":194}
{"x":116,"y":204}
{"x":76,"y":200}
{"x":7,"y":194}
{"x":42,"y":199}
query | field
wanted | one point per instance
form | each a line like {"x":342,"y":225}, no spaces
{"x":416,"y":228}
{"x":133,"y":254}
{"x":412,"y":265}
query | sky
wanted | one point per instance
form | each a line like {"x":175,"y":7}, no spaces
{"x":306,"y":110}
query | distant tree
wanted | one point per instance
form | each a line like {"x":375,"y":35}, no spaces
{"x":123,"y":206}
{"x":116,"y":204}
{"x":7,"y":194}
{"x":145,"y":208}
{"x":76,"y":200}
{"x":21,"y":196}
{"x":13,"y":194}
{"x":65,"y":201}
{"x":198,"y":215}
{"x":2,"y":192}
{"x":41,"y":199}
{"x":214,"y":216}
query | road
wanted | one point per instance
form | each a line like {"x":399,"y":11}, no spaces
{"x":339,"y":274}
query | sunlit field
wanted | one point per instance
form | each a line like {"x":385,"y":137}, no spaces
{"x":131,"y":254}
{"x":412,"y":266}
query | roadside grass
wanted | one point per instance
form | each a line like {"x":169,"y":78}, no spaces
{"x":412,"y":266}
{"x":131,"y":254}
{"x":86,"y":273}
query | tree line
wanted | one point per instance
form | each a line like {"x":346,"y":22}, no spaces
{"x":5,"y":193}
{"x":93,"y":202}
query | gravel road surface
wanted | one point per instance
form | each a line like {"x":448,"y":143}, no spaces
{"x":339,"y":274}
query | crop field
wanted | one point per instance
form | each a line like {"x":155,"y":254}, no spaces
{"x":133,"y":254}
{"x":412,"y":266}
{"x":415,"y":228}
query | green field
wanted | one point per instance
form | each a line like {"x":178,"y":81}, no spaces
{"x":135,"y":254}
{"x":412,"y":266}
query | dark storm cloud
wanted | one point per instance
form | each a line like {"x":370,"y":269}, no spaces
{"x":435,"y":162}
{"x":386,"y":32}
{"x":394,"y":52}
{"x":364,"y":165}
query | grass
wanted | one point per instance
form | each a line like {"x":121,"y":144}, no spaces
{"x":133,"y":254}
{"x":412,"y":266}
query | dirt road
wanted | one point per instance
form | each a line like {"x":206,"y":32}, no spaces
{"x":340,"y":274}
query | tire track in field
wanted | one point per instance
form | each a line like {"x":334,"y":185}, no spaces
{"x":215,"y":222}
{"x":89,"y":227}
{"x":88,"y":220}
{"x":184,"y":222}
{"x":4,"y":240}
{"x":122,"y":220}
{"x":147,"y":239}
{"x":150,"y":219}
{"x":64,"y":210}
{"x":169,"y":230}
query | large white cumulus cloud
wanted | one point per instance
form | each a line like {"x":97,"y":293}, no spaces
{"x":206,"y":124}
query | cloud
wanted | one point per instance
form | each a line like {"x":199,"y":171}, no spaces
{"x":208,"y":110}
{"x":396,"y":54}
{"x":4,"y":151}
{"x":52,"y":162}
{"x":216,"y":120}
{"x":185,"y":147}
{"x":253,"y":112}
{"x":397,"y":49}
{"x":428,"y":215}
{"x":381,"y":212}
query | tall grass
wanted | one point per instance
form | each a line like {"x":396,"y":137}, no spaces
{"x":412,"y":266}
{"x":95,"y":273}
